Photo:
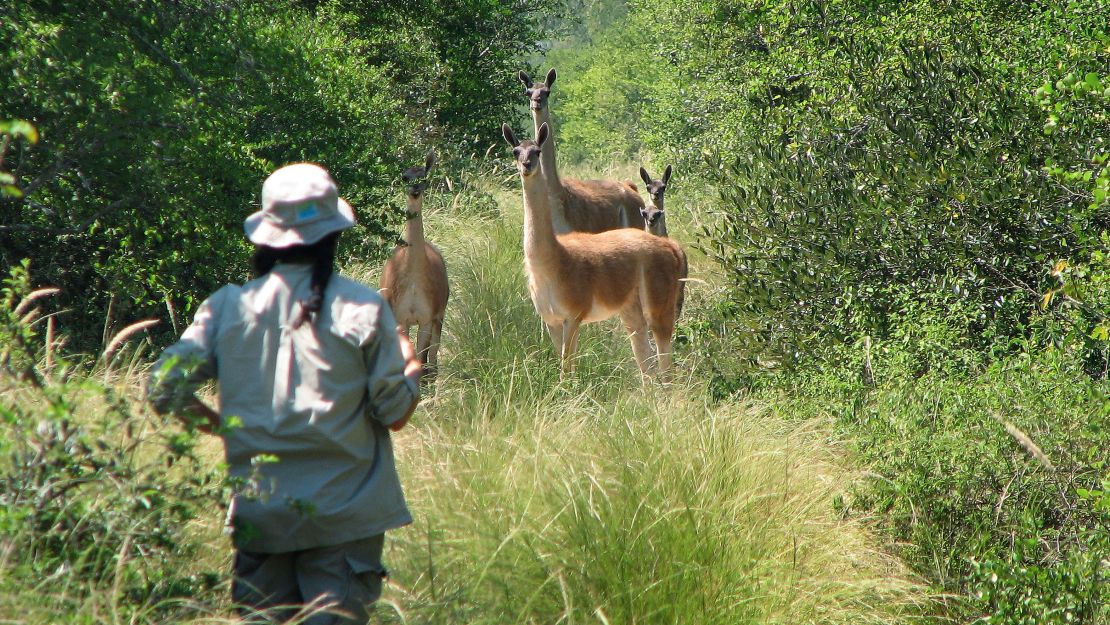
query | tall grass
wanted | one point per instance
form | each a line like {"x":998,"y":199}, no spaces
{"x":656,"y":509}
{"x":597,"y":501}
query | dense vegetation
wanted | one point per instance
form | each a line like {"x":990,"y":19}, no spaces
{"x":158,"y":120}
{"x":912,"y":217}
{"x":592,"y":499}
{"x":906,"y":208}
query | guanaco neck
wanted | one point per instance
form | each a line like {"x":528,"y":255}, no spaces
{"x":660,"y":227}
{"x":414,"y":231}
{"x":540,"y":244}
{"x":547,"y":151}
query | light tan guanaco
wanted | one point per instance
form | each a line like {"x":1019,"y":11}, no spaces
{"x":655,"y":220}
{"x":414,"y":280}
{"x":582,"y":277}
{"x":580,"y":205}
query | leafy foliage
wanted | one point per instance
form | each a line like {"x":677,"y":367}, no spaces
{"x":453,"y":62}
{"x":96,"y":497}
{"x":160,"y":119}
{"x":158,"y":123}
{"x":991,"y":482}
{"x":9,"y":130}
{"x":916,"y":162}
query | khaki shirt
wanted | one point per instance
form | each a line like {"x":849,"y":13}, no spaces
{"x":304,"y":411}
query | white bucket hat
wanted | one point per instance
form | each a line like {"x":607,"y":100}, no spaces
{"x":300,"y":206}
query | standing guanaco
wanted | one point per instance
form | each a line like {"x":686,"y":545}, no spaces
{"x":414,"y":280}
{"x":580,"y":205}
{"x":582,"y":277}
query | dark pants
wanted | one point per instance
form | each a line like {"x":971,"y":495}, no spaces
{"x":276,"y":587}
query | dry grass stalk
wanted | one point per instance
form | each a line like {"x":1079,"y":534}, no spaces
{"x":26,"y":302}
{"x":125,"y":334}
{"x":31,"y":316}
{"x":49,"y":344}
{"x":173,"y":313}
{"x":108,"y":318}
{"x":1027,"y":443}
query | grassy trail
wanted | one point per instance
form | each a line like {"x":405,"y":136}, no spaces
{"x":597,"y":501}
{"x":590,"y":501}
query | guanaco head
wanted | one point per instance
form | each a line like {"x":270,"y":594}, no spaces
{"x":527,"y":152}
{"x":417,"y":177}
{"x":653,"y":211}
{"x":537,"y":92}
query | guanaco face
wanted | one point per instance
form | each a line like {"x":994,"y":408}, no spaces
{"x":526,"y":153}
{"x":416,"y":178}
{"x":539,"y":92}
{"x":653,"y":211}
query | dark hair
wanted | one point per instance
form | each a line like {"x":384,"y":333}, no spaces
{"x":321,"y":255}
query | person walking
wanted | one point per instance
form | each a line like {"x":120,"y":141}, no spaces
{"x":313,"y":374}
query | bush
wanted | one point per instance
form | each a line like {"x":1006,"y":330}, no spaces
{"x":989,"y":478}
{"x":96,"y":495}
{"x":929,"y":179}
{"x":159,"y":121}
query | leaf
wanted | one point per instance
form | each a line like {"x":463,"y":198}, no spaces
{"x":20,"y":128}
{"x":1100,"y":332}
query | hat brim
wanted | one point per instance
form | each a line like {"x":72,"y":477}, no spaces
{"x":263,"y":232}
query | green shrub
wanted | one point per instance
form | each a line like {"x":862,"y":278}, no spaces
{"x":988,"y":477}
{"x":97,"y":495}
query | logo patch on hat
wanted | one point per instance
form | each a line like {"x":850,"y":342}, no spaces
{"x":308,"y":211}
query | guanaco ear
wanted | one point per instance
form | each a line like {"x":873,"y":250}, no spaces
{"x":510,"y":138}
{"x":666,"y":175}
{"x":429,"y":161}
{"x":541,"y":136}
{"x":550,"y":77}
{"x":525,"y":78}
{"x":644,"y":176}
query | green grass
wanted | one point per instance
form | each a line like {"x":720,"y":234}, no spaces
{"x":654,"y":509}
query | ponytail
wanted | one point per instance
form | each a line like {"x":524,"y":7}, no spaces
{"x":322,"y":267}
{"x":322,"y":256}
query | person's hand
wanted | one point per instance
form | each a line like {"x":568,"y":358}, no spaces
{"x":413,"y":366}
{"x":199,"y":415}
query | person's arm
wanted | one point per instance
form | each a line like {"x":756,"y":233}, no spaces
{"x":413,"y":369}
{"x":393,"y":372}
{"x":184,"y":367}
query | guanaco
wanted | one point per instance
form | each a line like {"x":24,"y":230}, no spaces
{"x":582,"y":277}
{"x":655,"y":220}
{"x":414,"y":280}
{"x":580,"y":205}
